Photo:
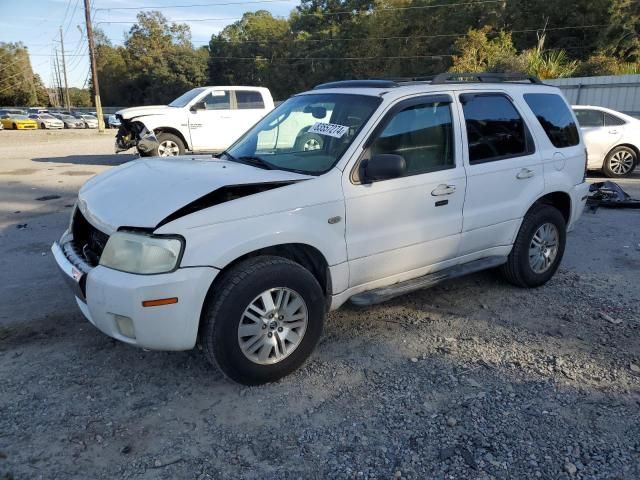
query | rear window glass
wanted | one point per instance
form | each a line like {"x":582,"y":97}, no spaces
{"x":249,"y":100}
{"x":612,"y":120}
{"x":495,"y":129}
{"x":555,"y":118}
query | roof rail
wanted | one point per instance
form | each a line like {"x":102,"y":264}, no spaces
{"x":484,"y":78}
{"x":358,"y":84}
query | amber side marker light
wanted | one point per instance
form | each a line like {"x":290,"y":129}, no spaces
{"x":160,"y":301}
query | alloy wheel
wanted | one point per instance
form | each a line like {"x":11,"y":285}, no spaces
{"x":168,"y":148}
{"x":272,"y":326}
{"x":543,"y":248}
{"x":621,"y":162}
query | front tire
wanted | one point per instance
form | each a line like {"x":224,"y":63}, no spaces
{"x":620,"y":162}
{"x":43,"y":126}
{"x":169,"y":145}
{"x":262,"y":320}
{"x":538,"y":248}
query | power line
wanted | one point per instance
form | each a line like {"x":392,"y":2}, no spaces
{"x":165,"y":7}
{"x":329,"y":14}
{"x":402,"y":37}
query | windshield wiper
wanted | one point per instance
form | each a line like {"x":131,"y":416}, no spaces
{"x":249,"y":160}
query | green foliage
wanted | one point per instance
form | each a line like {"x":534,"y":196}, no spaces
{"x":18,"y":84}
{"x":324,"y":40}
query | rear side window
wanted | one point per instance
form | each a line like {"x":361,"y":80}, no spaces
{"x":555,"y":118}
{"x":495,"y":129}
{"x":612,"y":120}
{"x":590,"y":118}
{"x":247,"y":100}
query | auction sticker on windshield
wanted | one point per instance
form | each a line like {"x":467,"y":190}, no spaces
{"x":329,"y":129}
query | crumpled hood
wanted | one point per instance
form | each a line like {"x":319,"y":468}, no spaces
{"x":129,"y":113}
{"x":144,"y":192}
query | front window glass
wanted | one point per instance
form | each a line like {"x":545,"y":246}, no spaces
{"x":185,"y":98}
{"x":217,"y":100}
{"x":590,"y":118}
{"x":422,"y":135}
{"x":307,"y":133}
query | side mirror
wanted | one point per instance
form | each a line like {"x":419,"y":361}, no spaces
{"x":384,"y":166}
{"x":198,"y":106}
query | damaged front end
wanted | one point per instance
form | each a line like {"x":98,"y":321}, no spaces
{"x":134,"y":134}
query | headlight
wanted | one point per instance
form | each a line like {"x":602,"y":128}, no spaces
{"x":139,"y":253}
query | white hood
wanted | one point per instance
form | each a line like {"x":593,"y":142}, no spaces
{"x":134,"y":112}
{"x":144,"y":192}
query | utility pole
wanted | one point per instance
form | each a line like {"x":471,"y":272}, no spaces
{"x":94,"y":68}
{"x":64,"y":70}
{"x":58,"y":81}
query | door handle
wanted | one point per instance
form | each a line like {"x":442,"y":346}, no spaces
{"x":525,"y":173}
{"x":613,"y":132}
{"x":443,"y":189}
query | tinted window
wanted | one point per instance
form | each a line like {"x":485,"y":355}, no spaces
{"x":495,"y":129}
{"x":217,"y":100}
{"x":612,"y":120}
{"x":422,"y":134}
{"x":590,"y":118}
{"x":555,"y":117}
{"x":249,"y":100}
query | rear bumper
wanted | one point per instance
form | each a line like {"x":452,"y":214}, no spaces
{"x":579,"y":194}
{"x":112,"y":301}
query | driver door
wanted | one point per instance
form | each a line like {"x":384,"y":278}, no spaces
{"x":210,"y":121}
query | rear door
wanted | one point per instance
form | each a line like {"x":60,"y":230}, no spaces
{"x":401,"y":225}
{"x":248,"y":108}
{"x":504,"y":171}
{"x":599,"y":138}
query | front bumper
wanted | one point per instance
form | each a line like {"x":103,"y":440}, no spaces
{"x":112,"y":301}
{"x":579,"y":194}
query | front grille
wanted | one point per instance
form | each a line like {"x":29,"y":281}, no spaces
{"x":88,"y":241}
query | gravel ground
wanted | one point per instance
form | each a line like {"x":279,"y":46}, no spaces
{"x":474,"y":379}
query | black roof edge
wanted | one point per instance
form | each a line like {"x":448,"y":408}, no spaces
{"x":358,"y":84}
{"x":484,"y":77}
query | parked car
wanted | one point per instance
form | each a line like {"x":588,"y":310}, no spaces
{"x":17,"y":121}
{"x":14,"y":111}
{"x":69,"y":121}
{"x":46,"y":120}
{"x":245,"y":253}
{"x":111,"y":121}
{"x":612,"y":139}
{"x":205,"y":119}
{"x":33,"y":110}
{"x":89,"y":120}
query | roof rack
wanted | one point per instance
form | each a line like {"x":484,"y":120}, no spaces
{"x":358,"y":84}
{"x":439,"y":79}
{"x":484,"y":78}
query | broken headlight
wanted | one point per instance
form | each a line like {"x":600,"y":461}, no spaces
{"x":141,"y":253}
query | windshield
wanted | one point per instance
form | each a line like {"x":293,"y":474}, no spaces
{"x":46,"y":115}
{"x":67,"y":117}
{"x":18,"y":116}
{"x":307,"y":133}
{"x":184,"y":99}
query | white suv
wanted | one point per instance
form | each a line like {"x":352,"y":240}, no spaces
{"x":612,"y":139}
{"x":413,"y":183}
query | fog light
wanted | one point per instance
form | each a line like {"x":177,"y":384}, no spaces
{"x":125,"y":325}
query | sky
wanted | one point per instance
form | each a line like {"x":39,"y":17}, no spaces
{"x":36,"y":23}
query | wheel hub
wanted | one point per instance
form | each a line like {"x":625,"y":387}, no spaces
{"x":272,"y":326}
{"x":543,"y":248}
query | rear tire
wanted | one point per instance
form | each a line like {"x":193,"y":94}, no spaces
{"x":620,"y":162}
{"x":15,"y":127}
{"x":42,"y":126}
{"x":291,"y":336}
{"x":538,"y":249}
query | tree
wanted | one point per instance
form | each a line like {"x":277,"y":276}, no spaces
{"x":18,"y":85}
{"x":478,"y":53}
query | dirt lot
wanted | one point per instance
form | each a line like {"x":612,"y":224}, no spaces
{"x":473,"y":379}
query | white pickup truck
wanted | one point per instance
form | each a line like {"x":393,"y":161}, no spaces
{"x":205,"y":119}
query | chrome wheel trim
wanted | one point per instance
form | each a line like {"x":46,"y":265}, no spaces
{"x":168,"y":148}
{"x":621,"y":162}
{"x":311,"y":144}
{"x":543,"y":248}
{"x":273,"y":326}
